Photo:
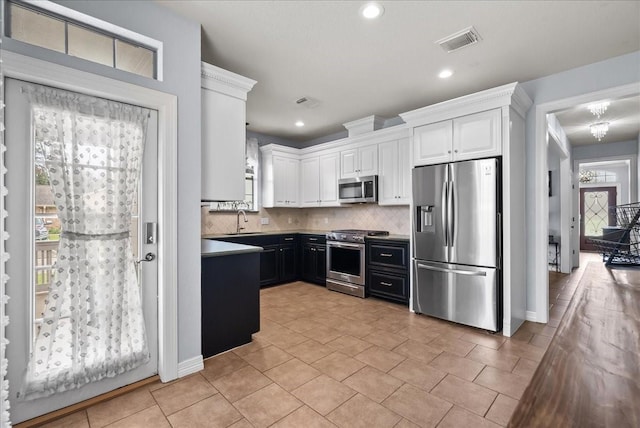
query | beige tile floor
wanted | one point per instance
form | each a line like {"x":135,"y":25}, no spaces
{"x":324,"y":359}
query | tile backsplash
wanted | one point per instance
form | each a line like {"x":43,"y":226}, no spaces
{"x":367,"y":216}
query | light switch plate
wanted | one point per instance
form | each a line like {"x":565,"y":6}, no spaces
{"x":264,"y":220}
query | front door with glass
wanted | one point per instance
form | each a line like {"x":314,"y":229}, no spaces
{"x":595,"y":214}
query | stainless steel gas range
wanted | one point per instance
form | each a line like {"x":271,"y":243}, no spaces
{"x":346,"y":260}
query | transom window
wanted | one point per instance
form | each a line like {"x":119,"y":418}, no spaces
{"x":64,"y":30}
{"x":597,"y":176}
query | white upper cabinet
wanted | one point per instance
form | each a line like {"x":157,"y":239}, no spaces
{"x":285,"y":179}
{"x":394,"y":181}
{"x":477,"y":135}
{"x":279,"y":177}
{"x":432,"y":143}
{"x":329,"y":180}
{"x":468,"y":137}
{"x":310,"y":182}
{"x":359,"y":162}
{"x":319,"y":181}
{"x":224,"y":96}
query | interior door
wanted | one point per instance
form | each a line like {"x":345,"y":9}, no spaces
{"x":32,"y":262}
{"x":595,"y":214}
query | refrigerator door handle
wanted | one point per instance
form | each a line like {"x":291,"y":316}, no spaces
{"x":445,"y":220}
{"x":499,"y":263}
{"x":456,"y":271}
{"x":453,"y":218}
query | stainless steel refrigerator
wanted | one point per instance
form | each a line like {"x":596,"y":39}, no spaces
{"x":457,"y":242}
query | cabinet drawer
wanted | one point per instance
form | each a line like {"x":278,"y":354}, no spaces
{"x":313,"y":239}
{"x":388,"y":255}
{"x":388,"y":285}
{"x":288,"y":239}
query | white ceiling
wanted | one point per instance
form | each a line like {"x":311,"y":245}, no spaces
{"x":623,"y":116}
{"x":356,"y":68}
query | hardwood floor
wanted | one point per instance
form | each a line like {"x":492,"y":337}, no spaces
{"x":590,"y":374}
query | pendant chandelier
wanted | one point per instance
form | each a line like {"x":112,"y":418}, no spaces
{"x":599,"y":130}
{"x":598,"y":109}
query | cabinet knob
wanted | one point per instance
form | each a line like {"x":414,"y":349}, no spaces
{"x":455,"y":151}
{"x":448,"y":151}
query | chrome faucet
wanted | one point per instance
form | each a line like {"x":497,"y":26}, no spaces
{"x":238,"y":228}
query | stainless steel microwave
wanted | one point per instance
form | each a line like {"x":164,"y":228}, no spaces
{"x":358,"y":190}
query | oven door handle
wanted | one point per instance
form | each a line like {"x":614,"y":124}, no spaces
{"x":344,"y":245}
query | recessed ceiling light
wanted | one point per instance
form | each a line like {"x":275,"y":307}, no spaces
{"x":299,"y":124}
{"x":371,"y":10}
{"x":445,"y":74}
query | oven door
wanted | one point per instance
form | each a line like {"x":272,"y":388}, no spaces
{"x":345,"y":262}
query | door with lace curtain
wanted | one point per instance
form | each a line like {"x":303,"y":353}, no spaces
{"x":76,"y":213}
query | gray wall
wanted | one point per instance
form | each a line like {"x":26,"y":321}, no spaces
{"x":596,"y":151}
{"x":181,"y":40}
{"x":594,"y":77}
{"x":554,"y":199}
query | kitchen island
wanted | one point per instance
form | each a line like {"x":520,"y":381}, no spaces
{"x":230,"y":287}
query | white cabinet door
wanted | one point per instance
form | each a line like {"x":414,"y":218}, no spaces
{"x":349,"y":163}
{"x":280,"y":178}
{"x":368,"y":160}
{"x":388,"y":178}
{"x":359,"y":162}
{"x":477,"y":135}
{"x":394,"y":181}
{"x":285,"y":181}
{"x":328,"y":178}
{"x":310,"y":182}
{"x":292,"y":183}
{"x":404,"y":172}
{"x":223,"y":147}
{"x":432,"y":143}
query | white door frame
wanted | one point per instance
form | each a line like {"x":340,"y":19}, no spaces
{"x":540,"y":280}
{"x":37,"y":71}
{"x":564,"y":184}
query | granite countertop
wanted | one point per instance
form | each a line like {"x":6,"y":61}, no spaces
{"x":391,"y":237}
{"x":299,"y":231}
{"x":211,"y":248}
{"x":271,"y":232}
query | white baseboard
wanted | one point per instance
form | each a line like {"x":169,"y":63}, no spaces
{"x":190,"y":366}
{"x":531,"y":316}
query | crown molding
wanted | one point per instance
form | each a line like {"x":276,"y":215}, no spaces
{"x":224,"y":81}
{"x":506,"y":95}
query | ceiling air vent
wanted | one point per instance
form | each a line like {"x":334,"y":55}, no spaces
{"x":459,"y":40}
{"x":307,"y":102}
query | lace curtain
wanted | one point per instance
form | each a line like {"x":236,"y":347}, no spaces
{"x":92,"y":325}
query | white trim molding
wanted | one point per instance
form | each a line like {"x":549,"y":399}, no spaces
{"x":511,"y":94}
{"x":190,"y":366}
{"x":224,"y":81}
{"x":37,"y":71}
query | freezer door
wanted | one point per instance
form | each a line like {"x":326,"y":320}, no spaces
{"x":430,"y":216}
{"x":463,"y":294}
{"x":473,"y":211}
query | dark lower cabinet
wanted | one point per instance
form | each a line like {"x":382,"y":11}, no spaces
{"x":314,"y":259}
{"x":269,"y":257}
{"x":230,"y":293}
{"x":388,"y":269}
{"x":278,"y":261}
{"x":288,"y":262}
